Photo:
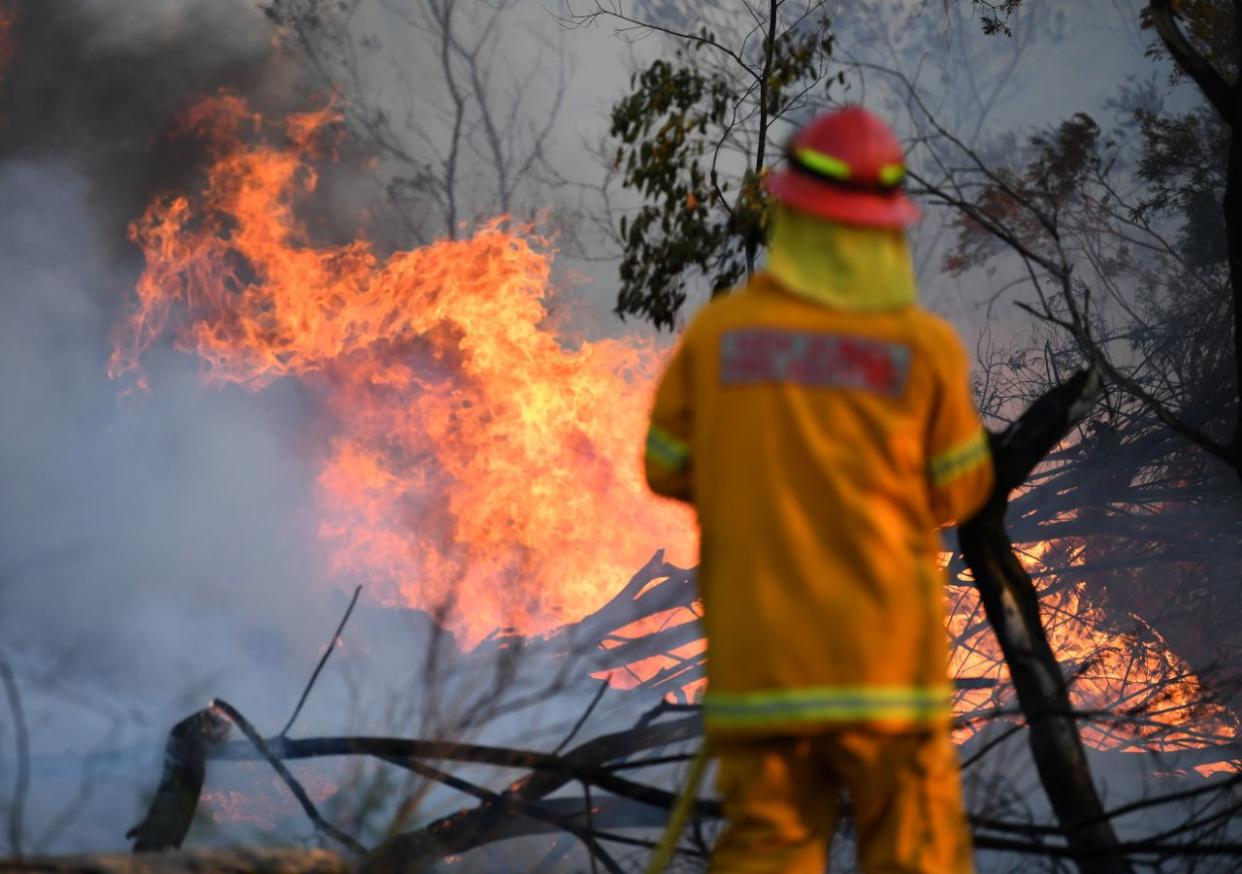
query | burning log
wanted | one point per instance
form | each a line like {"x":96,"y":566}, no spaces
{"x":1012,"y":606}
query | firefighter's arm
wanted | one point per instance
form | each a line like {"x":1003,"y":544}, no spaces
{"x":959,"y":463}
{"x":667,"y":459}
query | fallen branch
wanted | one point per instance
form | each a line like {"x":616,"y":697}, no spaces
{"x":461,"y":831}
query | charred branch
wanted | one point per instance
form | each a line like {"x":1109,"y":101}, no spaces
{"x":185,"y":765}
{"x":200,"y":737}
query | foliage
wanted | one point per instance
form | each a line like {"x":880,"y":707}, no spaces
{"x":685,"y":219}
{"x":1122,"y":257}
{"x":1184,"y":163}
{"x":996,"y":14}
{"x":692,"y":141}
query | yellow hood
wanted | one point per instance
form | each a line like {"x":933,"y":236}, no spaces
{"x":843,"y":266}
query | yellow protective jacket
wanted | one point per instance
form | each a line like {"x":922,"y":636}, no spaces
{"x":822,"y":432}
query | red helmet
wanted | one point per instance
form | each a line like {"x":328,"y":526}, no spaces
{"x":846,"y":166}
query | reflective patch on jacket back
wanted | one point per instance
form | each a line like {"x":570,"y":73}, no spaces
{"x":758,"y":355}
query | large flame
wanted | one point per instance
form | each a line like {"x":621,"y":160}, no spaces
{"x":478,"y":462}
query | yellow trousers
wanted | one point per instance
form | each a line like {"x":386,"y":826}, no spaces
{"x":782,"y":798}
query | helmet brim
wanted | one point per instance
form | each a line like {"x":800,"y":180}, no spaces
{"x":846,"y":205}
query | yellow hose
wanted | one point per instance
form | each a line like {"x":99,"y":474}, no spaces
{"x":677,"y":817}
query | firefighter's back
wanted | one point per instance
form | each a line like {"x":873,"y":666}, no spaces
{"x":810,"y":443}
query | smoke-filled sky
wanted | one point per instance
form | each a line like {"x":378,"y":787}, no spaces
{"x":158,"y":548}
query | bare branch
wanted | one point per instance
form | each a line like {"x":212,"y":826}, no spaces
{"x":323,"y":661}
{"x":575,"y":20}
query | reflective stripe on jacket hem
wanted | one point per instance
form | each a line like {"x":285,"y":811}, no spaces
{"x":957,"y":460}
{"x":828,"y":704}
{"x":666,"y":450}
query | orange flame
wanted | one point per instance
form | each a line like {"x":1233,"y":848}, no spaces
{"x":476,"y":458}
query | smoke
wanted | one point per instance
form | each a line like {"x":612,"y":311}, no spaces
{"x":159,"y":547}
{"x":155,"y":548}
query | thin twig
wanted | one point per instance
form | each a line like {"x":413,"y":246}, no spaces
{"x":603,"y":687}
{"x":323,"y":661}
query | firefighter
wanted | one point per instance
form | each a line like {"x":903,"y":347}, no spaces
{"x":822,"y":425}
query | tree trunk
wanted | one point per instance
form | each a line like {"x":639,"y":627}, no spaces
{"x":1012,"y":605}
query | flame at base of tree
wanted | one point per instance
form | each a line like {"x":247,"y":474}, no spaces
{"x":1136,"y":692}
{"x":478,"y":464}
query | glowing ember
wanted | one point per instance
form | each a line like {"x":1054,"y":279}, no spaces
{"x":267,"y":801}
{"x":477,"y":459}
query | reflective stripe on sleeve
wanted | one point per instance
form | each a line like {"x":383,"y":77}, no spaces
{"x":827,"y":704}
{"x":666,"y":450}
{"x":957,"y":460}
